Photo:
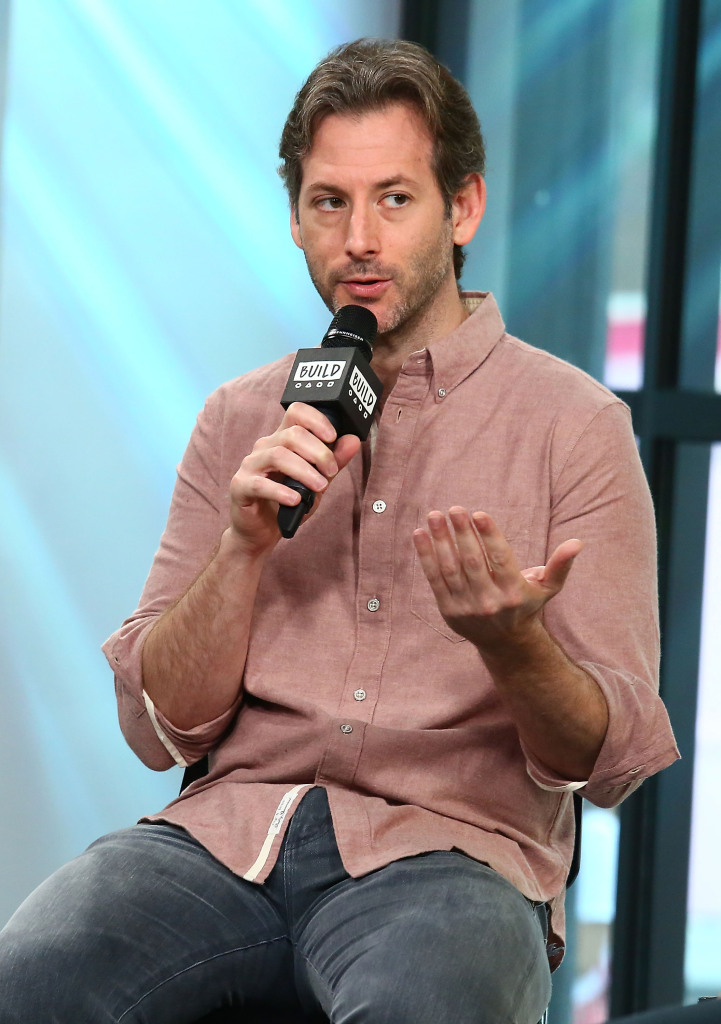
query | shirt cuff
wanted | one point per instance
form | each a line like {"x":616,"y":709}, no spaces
{"x":162,"y":736}
{"x":186,"y":746}
{"x":547,"y":779}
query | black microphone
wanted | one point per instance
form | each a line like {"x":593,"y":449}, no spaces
{"x":337,"y":379}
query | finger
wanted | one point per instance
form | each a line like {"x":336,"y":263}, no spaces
{"x":304,"y":442}
{"x":535,"y":574}
{"x":447,"y":554}
{"x":346,"y":448}
{"x":247,"y":491}
{"x":538,"y":573}
{"x":300,"y":414}
{"x":501,"y":560}
{"x":423,"y":545}
{"x":472,"y":553}
{"x":428,"y":558}
{"x":560,"y":563}
{"x":278,"y":462}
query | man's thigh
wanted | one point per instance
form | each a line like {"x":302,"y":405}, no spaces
{"x":437,"y":938}
{"x":144,"y":926}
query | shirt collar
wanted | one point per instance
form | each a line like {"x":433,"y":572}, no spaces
{"x":455,"y":356}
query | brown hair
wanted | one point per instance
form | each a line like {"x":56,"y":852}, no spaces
{"x":369,"y":74}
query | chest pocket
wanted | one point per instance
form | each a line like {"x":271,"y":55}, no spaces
{"x":514,"y":522}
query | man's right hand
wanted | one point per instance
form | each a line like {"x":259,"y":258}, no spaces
{"x":299,"y":448}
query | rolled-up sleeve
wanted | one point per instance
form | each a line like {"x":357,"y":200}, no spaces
{"x":606,"y":617}
{"x":198,"y":515}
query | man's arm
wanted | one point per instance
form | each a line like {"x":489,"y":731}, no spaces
{"x":559,"y":710}
{"x":193,"y":658}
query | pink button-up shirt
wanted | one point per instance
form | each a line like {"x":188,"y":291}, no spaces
{"x":354,"y":681}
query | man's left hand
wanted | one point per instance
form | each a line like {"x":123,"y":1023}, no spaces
{"x":481,"y":592}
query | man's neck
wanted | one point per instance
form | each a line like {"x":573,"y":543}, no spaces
{"x":392,"y":349}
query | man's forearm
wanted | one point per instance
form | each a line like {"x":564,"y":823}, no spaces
{"x":559,"y":710}
{"x":193,"y":658}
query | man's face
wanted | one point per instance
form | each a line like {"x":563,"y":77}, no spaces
{"x":371,"y":218}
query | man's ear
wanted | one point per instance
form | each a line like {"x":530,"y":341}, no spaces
{"x":467,"y":209}
{"x":295,"y":227}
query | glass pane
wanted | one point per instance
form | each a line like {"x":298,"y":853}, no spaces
{"x":717,"y":376}
{"x":595,"y":902}
{"x":703,"y":935}
{"x":699,"y":363}
{"x":633,"y":121}
{"x":567,"y":98}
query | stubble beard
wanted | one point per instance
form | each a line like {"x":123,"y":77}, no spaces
{"x":417,"y":284}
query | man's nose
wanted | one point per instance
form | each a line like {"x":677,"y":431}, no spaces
{"x":363,"y":238}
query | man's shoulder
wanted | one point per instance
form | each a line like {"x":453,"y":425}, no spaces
{"x":532,"y":372}
{"x":262,"y":380}
{"x":249,"y":405}
{"x":262,"y":386}
{"x":543,"y":374}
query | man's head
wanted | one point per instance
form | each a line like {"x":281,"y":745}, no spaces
{"x":370,"y":75}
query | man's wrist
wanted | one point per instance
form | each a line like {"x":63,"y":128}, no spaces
{"x":236,"y":547}
{"x":517,"y":649}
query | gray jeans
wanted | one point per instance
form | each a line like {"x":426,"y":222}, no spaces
{"x":146,"y":926}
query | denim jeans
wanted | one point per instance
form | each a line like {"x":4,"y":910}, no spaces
{"x":146,"y":927}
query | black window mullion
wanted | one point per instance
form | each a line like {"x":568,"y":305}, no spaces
{"x":649,"y":930}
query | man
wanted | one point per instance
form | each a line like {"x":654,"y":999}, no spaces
{"x":395,"y":709}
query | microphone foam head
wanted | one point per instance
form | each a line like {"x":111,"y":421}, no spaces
{"x":352,"y":325}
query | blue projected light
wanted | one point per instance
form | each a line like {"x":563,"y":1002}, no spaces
{"x":146,"y":258}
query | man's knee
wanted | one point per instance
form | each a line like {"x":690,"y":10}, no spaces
{"x":68,"y":938}
{"x":426,"y":984}
{"x":440,"y":938}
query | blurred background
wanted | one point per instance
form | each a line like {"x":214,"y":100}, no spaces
{"x":145,"y":258}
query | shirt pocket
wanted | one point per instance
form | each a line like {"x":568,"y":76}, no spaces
{"x":514,"y":521}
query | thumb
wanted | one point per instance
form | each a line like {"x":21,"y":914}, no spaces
{"x":345,"y":448}
{"x":560,"y":563}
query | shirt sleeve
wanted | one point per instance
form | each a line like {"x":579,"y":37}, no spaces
{"x":198,"y":515}
{"x":606,"y":616}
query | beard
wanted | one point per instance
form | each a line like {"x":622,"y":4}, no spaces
{"x":417,"y":283}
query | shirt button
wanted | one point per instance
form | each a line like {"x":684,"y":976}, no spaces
{"x":374,"y":604}
{"x":379,"y":506}
{"x":360,"y":695}
{"x":346,"y":729}
{"x":441,"y":392}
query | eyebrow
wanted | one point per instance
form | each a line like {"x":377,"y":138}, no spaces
{"x":396,"y":180}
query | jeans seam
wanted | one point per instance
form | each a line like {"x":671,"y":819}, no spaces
{"x":521,"y":988}
{"x":311,"y":967}
{"x":198,"y":963}
{"x":288,"y":872}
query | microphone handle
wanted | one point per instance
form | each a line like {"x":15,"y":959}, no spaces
{"x":291,"y":516}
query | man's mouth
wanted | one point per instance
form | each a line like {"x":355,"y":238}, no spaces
{"x":366,"y":287}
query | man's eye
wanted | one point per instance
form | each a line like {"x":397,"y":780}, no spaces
{"x":329,"y":203}
{"x":395,"y":200}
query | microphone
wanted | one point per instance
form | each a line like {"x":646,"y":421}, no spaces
{"x":338,"y":380}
